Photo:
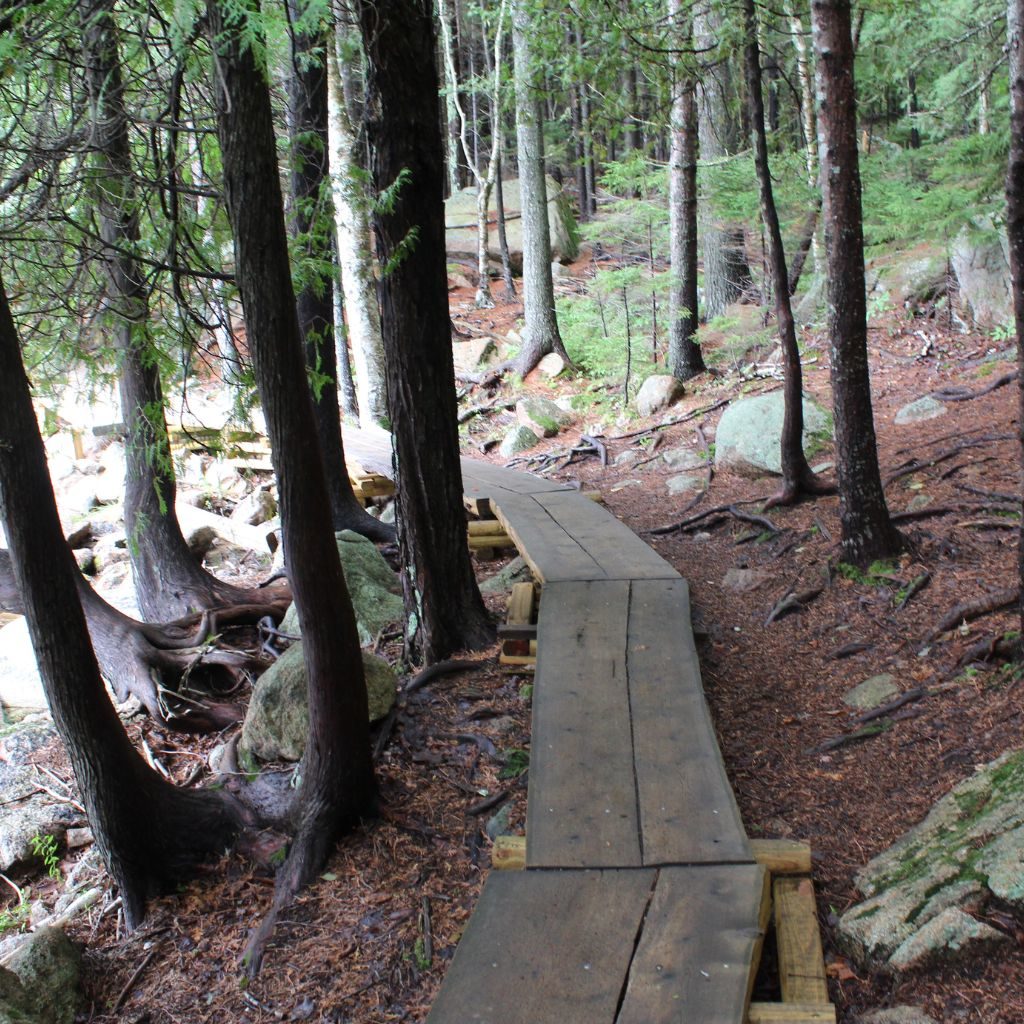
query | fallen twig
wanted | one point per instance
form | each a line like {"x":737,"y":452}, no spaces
{"x":914,"y":465}
{"x":882,"y":710}
{"x":136,"y":974}
{"x":441,"y":668}
{"x":848,"y":650}
{"x":671,"y":423}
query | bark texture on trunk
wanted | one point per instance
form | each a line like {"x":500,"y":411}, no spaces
{"x":867,"y":531}
{"x":405,"y":139}
{"x":1015,"y":224}
{"x":307,"y":94}
{"x":337,"y":785}
{"x":726,"y":271}
{"x":540,"y":333}
{"x":149,"y":833}
{"x":685,"y":358}
{"x":355,"y":261}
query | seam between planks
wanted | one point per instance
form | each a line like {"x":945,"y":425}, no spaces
{"x":636,"y":944}
{"x":632,"y":728}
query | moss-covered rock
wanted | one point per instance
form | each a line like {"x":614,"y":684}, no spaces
{"x":277,"y":719}
{"x":372,"y":585}
{"x":921,"y":890}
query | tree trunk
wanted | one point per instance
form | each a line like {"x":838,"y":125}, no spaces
{"x":685,"y":358}
{"x":867,"y":531}
{"x":352,"y":225}
{"x":797,"y":477}
{"x":307,"y":94}
{"x":1015,"y":225}
{"x":337,"y":785}
{"x":169,"y":581}
{"x":506,"y":259}
{"x":405,"y":137}
{"x":726,"y":271}
{"x":540,"y":333}
{"x":347,"y":385}
{"x":149,"y":833}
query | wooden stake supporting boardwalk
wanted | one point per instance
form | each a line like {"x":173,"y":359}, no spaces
{"x":782,"y":856}
{"x":801,"y":962}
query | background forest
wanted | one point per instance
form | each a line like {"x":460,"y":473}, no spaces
{"x":228,"y":229}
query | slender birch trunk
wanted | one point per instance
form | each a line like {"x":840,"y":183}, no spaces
{"x":352,"y":228}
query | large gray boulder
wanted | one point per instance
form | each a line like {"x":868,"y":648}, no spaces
{"x":908,"y":280}
{"x":278,"y":715}
{"x":921,"y":891}
{"x":980,"y":259}
{"x":21,"y":689}
{"x":39,"y":983}
{"x":372,"y":585}
{"x":27,"y":811}
{"x":460,"y":223}
{"x":750,"y":432}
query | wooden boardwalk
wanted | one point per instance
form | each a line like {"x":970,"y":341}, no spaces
{"x":642,"y":900}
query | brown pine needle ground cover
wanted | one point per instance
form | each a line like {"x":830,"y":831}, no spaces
{"x":354,"y":947}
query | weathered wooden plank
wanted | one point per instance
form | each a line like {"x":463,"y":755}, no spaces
{"x":782,"y":856}
{"x":619,"y":552}
{"x":791,"y":1013}
{"x":545,"y":946}
{"x":548,"y":549}
{"x":688,"y":812}
{"x":581,"y":810}
{"x":694,"y":958}
{"x":801,"y":962}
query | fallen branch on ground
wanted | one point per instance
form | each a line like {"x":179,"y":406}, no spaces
{"x":914,"y":465}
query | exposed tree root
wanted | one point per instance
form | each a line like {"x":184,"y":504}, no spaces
{"x":956,"y":393}
{"x":968,"y":610}
{"x":720,"y":510}
{"x":793,"y":602}
{"x":914,"y":465}
{"x":808,"y":486}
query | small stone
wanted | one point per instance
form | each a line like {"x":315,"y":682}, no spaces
{"x":498,"y":825}
{"x":872,"y":692}
{"x":926,"y":408}
{"x":541,"y":415}
{"x":259,"y":506}
{"x":517,"y":571}
{"x":683,"y":458}
{"x":76,"y":838}
{"x":683,"y":483}
{"x":743,"y":581}
{"x":520,"y":439}
{"x":471,"y":355}
{"x":897,"y":1015}
{"x":623,"y":484}
{"x":625,"y":458}
{"x":918,"y":501}
{"x":551,"y":365}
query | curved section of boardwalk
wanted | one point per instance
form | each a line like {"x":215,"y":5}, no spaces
{"x":641,"y":901}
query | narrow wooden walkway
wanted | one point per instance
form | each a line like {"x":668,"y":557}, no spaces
{"x":641,"y":901}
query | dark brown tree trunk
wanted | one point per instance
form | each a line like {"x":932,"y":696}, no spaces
{"x":337,"y":774}
{"x":149,"y":833}
{"x":506,"y":259}
{"x":169,"y":581}
{"x":311,"y":223}
{"x":867,"y":531}
{"x":1015,"y":227}
{"x":405,"y":138}
{"x":685,"y":358}
{"x":912,"y":111}
{"x":797,"y":477}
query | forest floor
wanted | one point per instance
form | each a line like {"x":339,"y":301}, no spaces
{"x":370,"y":941}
